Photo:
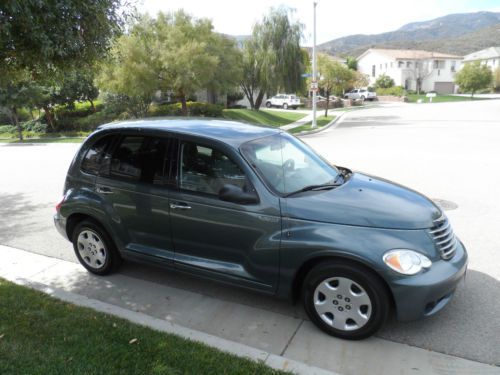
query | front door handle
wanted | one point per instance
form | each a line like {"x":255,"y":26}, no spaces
{"x":104,"y":190}
{"x":174,"y":206}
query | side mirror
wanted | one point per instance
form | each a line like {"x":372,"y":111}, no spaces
{"x":235,"y":194}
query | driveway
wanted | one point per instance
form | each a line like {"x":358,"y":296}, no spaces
{"x":448,"y":151}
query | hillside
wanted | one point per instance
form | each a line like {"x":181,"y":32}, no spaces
{"x":455,"y":33}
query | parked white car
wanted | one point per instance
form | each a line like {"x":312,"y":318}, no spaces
{"x":363,"y":94}
{"x":284,"y":101}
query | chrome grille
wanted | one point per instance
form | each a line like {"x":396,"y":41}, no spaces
{"x":444,"y":238}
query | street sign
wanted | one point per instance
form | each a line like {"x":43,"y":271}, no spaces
{"x":306,"y":75}
{"x":314,"y":85}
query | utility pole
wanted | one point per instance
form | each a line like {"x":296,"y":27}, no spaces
{"x":314,"y":85}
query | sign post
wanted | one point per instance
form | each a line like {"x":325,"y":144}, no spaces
{"x":314,"y":77}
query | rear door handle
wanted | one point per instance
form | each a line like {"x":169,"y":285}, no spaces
{"x":104,"y":190}
{"x":183,"y":206}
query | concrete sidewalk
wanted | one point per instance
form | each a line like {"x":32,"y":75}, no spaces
{"x":281,"y":341}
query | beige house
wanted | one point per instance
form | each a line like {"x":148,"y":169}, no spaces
{"x":412,"y":69}
{"x":489,"y":56}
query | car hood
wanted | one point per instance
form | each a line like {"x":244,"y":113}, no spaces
{"x":365,"y":201}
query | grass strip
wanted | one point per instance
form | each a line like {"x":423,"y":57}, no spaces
{"x":42,"y":335}
{"x":320,"y":122}
{"x":263,"y":117}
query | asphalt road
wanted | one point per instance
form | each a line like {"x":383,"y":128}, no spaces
{"x":448,"y":151}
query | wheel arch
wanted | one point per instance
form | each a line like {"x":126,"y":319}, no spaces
{"x":309,"y":264}
{"x":78,"y":217}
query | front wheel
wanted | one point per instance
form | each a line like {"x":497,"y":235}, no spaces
{"x":285,"y":106}
{"x":345,"y":300}
{"x":268,"y":104}
{"x":94,"y":248}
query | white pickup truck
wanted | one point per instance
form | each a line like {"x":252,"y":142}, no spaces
{"x":363,"y":94}
{"x":284,"y":101}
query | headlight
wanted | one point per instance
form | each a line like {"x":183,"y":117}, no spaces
{"x":407,"y":262}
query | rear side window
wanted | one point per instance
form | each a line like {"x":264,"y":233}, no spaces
{"x":139,"y":159}
{"x":207,"y":170}
{"x":94,"y":157}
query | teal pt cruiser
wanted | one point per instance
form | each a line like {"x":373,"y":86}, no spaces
{"x":255,"y":207}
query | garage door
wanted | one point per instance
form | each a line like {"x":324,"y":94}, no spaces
{"x":444,"y":87}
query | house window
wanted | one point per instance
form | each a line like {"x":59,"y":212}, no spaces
{"x":385,"y":66}
{"x":453,"y":66}
{"x":373,"y":70}
{"x":380,"y":66}
{"x":438,"y":64}
{"x":400,"y":64}
{"x":408,"y":64}
{"x":391,"y":64}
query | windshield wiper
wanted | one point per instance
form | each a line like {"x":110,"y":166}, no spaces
{"x":330,"y":185}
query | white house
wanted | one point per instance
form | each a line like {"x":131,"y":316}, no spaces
{"x":432,"y":71}
{"x":489,"y":56}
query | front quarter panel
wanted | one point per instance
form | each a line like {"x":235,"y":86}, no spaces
{"x":306,"y":240}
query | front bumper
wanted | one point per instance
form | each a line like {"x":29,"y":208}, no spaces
{"x":427,"y":293}
{"x":60,"y":223}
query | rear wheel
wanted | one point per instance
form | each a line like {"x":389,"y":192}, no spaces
{"x":345,"y":300}
{"x":94,"y":248}
{"x":268,"y":104}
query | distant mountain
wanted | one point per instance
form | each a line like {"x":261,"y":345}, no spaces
{"x":455,"y":33}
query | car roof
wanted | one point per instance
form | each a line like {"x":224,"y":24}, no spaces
{"x":232,"y":133}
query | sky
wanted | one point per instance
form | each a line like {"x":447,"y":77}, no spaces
{"x":334,"y":18}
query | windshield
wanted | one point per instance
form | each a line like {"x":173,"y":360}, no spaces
{"x":286,"y":164}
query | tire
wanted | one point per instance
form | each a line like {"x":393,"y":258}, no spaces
{"x":268,"y":104}
{"x":94,"y":248}
{"x":285,"y":106}
{"x":362,"y":98}
{"x":345,"y":300}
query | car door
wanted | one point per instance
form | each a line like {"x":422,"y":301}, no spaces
{"x":225,"y":240}
{"x":132,"y":185}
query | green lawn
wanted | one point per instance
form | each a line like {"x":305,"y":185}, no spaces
{"x":320,"y":122}
{"x":42,"y":335}
{"x":31,"y":137}
{"x":44,"y":140}
{"x":263,"y":117}
{"x":440,"y":98}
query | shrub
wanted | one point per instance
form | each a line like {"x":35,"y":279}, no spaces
{"x":10,"y":129}
{"x":34,"y":126}
{"x":384,"y":82}
{"x":391,"y":91}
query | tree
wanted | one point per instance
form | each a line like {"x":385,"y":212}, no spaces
{"x":352,"y":63}
{"x":272,"y":58}
{"x":335,"y":77}
{"x":173,"y":53}
{"x":41,"y":39}
{"x":78,"y":85}
{"x":473,"y":77}
{"x":384,"y":82}
{"x":496,"y":80}
{"x":132,"y":72}
{"x":41,"y":36}
{"x":420,"y":70}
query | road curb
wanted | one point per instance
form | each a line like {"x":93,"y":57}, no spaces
{"x":327,"y":126}
{"x":241,"y":350}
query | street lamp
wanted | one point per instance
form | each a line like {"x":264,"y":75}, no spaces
{"x":314,"y":77}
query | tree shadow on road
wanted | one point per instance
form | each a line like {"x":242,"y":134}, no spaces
{"x":16,"y":216}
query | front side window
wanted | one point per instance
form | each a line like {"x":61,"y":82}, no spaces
{"x":96,"y":154}
{"x":207,"y":170}
{"x":286,"y":164}
{"x":139,"y":159}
